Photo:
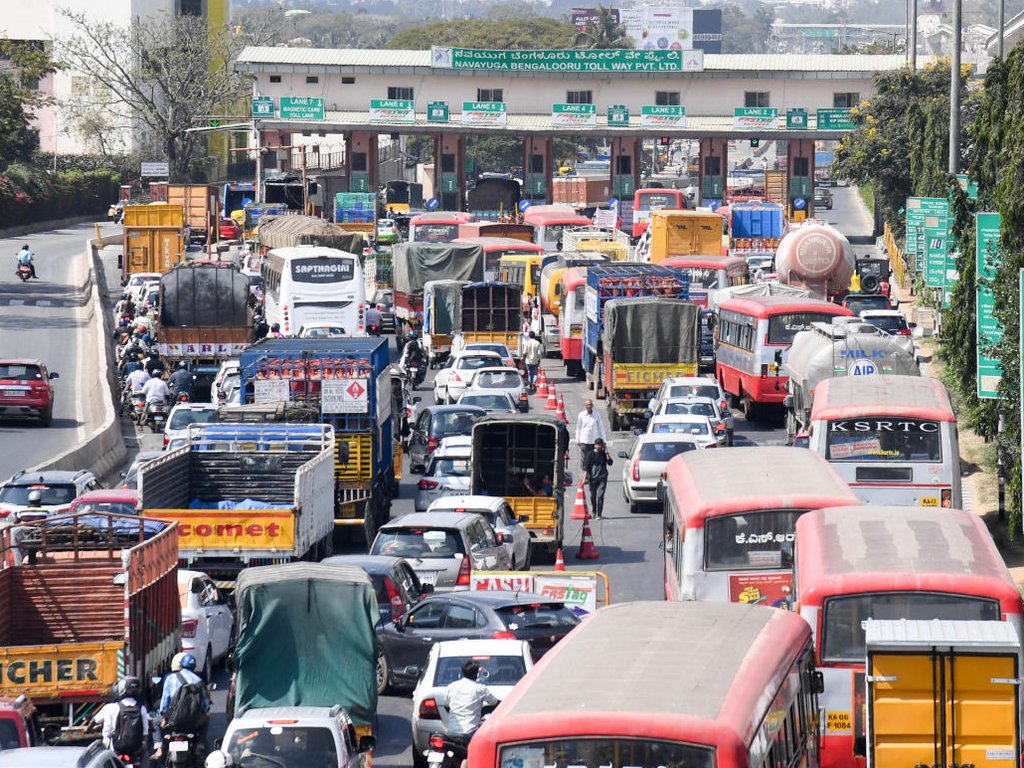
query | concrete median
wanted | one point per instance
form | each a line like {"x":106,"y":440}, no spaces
{"x":103,"y":449}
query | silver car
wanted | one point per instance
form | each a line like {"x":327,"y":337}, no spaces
{"x":697,"y":406}
{"x":447,"y":472}
{"x":497,"y":379}
{"x":646,"y":461}
{"x":495,"y":510}
{"x":444,"y":548}
{"x":895,"y":324}
{"x":696,"y":386}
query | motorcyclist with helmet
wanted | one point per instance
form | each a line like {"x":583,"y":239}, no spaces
{"x":126,"y":693}
{"x":183,"y":672}
{"x":180,"y":381}
{"x":414,"y":357}
{"x":25,"y":259}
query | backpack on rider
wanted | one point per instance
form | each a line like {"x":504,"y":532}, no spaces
{"x":128,"y":736}
{"x":185,"y":711}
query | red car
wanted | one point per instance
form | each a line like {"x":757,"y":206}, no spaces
{"x":229,"y":230}
{"x":18,"y":726}
{"x":25,"y":390}
{"x":118,"y":501}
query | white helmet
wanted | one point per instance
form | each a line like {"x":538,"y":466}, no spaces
{"x":219,"y":759}
{"x":176,"y":661}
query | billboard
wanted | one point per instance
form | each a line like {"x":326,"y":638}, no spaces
{"x":581,"y":17}
{"x":670,"y":26}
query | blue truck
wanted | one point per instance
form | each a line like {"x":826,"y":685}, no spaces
{"x":756,"y":230}
{"x":622,"y":280}
{"x":349,"y":381}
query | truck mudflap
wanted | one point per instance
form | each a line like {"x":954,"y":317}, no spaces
{"x":545,"y":520}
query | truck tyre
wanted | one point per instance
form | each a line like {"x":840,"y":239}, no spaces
{"x":613,"y":418}
{"x":529,"y":558}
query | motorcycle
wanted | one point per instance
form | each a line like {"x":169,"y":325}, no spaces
{"x":181,"y":749}
{"x":446,"y":751}
{"x":24,"y":272}
{"x":373,"y":330}
{"x":156,"y":416}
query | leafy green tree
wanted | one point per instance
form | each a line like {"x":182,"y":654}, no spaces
{"x":603,"y":33}
{"x":25,"y":65}
{"x":503,"y":34}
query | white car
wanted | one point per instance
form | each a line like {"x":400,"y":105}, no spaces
{"x":492,"y":346}
{"x":229,"y":369}
{"x":447,"y":472}
{"x":452,"y":379}
{"x":502,"y":664}
{"x":495,"y":510}
{"x":136,"y":280}
{"x":181,"y":416}
{"x":207,"y":624}
{"x":698,"y":427}
{"x":497,"y":379}
{"x":645,"y":462}
{"x":322,"y":331}
{"x":696,"y":386}
{"x":498,"y":402}
{"x":893,"y":323}
{"x":139,"y":292}
{"x":698,"y":406}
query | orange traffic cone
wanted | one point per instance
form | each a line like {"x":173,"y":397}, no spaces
{"x":560,"y":410}
{"x":552,"y":404}
{"x":524,"y":402}
{"x":587,"y":549}
{"x":559,"y":560}
{"x":542,"y":384}
{"x":579,"y":509}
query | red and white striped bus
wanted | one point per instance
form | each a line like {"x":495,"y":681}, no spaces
{"x":572,"y":319}
{"x":652,"y":199}
{"x":710,"y":273}
{"x":647,"y":685}
{"x":437,"y":226}
{"x":752,"y":337}
{"x":549,"y":225}
{"x":878,"y":562}
{"x":496,"y":247}
{"x":730,"y":521}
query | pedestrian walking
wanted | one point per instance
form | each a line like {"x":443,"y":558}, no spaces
{"x":595,"y":475}
{"x":589,"y":428}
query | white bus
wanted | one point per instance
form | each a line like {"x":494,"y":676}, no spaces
{"x":308,"y":284}
{"x":892,"y":438}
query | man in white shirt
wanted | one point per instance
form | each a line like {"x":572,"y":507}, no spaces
{"x":127,"y":691}
{"x":136,"y":380}
{"x":156,"y":390}
{"x":465,"y":699}
{"x":589,"y":427}
{"x":532,"y":353}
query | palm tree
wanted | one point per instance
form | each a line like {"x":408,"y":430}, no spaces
{"x":603,"y":33}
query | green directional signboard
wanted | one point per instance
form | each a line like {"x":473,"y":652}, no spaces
{"x":614,"y":60}
{"x":573,"y":115}
{"x":302,"y":108}
{"x":263,"y":106}
{"x":969,"y":187}
{"x":796,"y":119}
{"x":437,"y":112}
{"x":835,"y":120}
{"x":662,"y":117}
{"x":989,"y":330}
{"x":936,"y":250}
{"x":484,"y":113}
{"x":755,"y":117}
{"x":392,"y":111}
{"x":618,"y":116}
{"x":922,"y":212}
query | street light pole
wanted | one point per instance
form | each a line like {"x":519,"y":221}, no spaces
{"x":954,"y":90}
{"x":912,"y":40}
{"x":1002,"y":23}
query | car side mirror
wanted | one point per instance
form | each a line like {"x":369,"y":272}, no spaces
{"x":416,"y":400}
{"x":416,"y":470}
{"x":229,"y":662}
{"x":54,"y":375}
{"x":623,"y":455}
{"x":411,"y":671}
{"x":367,"y":742}
{"x":818,"y":682}
{"x":912,"y":325}
{"x":196,"y":588}
{"x":648,"y":414}
{"x":638,"y":431}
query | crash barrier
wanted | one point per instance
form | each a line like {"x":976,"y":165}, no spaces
{"x":103,"y":451}
{"x":897,"y":258}
{"x":583,"y":591}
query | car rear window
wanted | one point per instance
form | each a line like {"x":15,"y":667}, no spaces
{"x":858,"y":304}
{"x":686,"y":427}
{"x":699,"y":390}
{"x":53,"y":495}
{"x":497,"y":379}
{"x":9,"y":738}
{"x":19,"y":371}
{"x":454,"y":423}
{"x":185,"y":416}
{"x":448,"y":467}
{"x":890,"y":323}
{"x":663,"y":451}
{"x":694,"y":409}
{"x":423,"y":543}
{"x":113,"y":507}
{"x":494,"y":670}
{"x":537,"y":616}
{"x":283,"y":745}
{"x":474,"y":362}
{"x":488,"y":402}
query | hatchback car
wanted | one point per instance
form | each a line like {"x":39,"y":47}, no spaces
{"x":696,"y":386}
{"x":397,"y":586}
{"x":697,"y":427}
{"x":229,"y":369}
{"x":58,"y":487}
{"x":480,"y":614}
{"x":859,"y":302}
{"x":491,"y":346}
{"x":181,"y":417}
{"x":444,"y":548}
{"x":387,"y":232}
{"x":135,"y":281}
{"x":116,"y":501}
{"x":451,"y":380}
{"x":499,"y":402}
{"x":433,"y":424}
{"x":495,"y":510}
{"x":498,"y":379}
{"x":895,"y":324}
{"x":822,"y":198}
{"x":503,"y":663}
{"x":447,"y":472}
{"x":229,"y":230}
{"x":207,"y":623}
{"x":646,"y":460}
{"x":26,"y":391}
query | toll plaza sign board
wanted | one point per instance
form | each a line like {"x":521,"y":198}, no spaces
{"x":989,"y":331}
{"x":755,"y":118}
{"x":302,"y":108}
{"x":573,"y":115}
{"x":618,"y":60}
{"x":392,"y":111}
{"x":662,"y":117}
{"x":484,"y":113}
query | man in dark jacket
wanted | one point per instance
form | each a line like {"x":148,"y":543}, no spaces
{"x":595,"y":474}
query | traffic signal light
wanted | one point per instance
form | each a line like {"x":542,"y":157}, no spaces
{"x":755,"y":143}
{"x":665,"y":141}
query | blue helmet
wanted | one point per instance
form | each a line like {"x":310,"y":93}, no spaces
{"x":188,"y":661}
{"x":412,"y":336}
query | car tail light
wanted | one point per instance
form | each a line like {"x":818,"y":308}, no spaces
{"x":395,"y":599}
{"x":167,"y":439}
{"x":4,"y":513}
{"x":427,"y":485}
{"x":711,"y":445}
{"x":432,"y":443}
{"x":465,"y":571}
{"x":903,"y":332}
{"x":947,"y":498}
{"x":500,"y":537}
{"x":189,"y":627}
{"x":636,"y":469}
{"x":282,"y":722}
{"x":503,"y":634}
{"x":719,"y":427}
{"x":723,"y":406}
{"x":456,"y":377}
{"x":428,"y":710}
{"x":436,"y":741}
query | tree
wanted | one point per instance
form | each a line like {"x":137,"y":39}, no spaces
{"x":158,"y":77}
{"x":26,"y":64}
{"x":504,"y":34}
{"x":603,"y":33}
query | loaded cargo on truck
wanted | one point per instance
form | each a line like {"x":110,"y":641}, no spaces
{"x":201,"y":206}
{"x":153,"y":239}
{"x":646,"y":341}
{"x":581,"y":192}
{"x":817,"y":257}
{"x":416,"y":264}
{"x":85,"y":599}
{"x":494,"y":198}
{"x":245,"y":494}
{"x":492,"y":312}
{"x":512,"y":455}
{"x":442,"y":310}
{"x":348,"y":381}
{"x":204,"y":317}
{"x":613,"y":243}
{"x":684,"y":233}
{"x":306,"y":638}
{"x":356,"y":212}
{"x":756,"y":230}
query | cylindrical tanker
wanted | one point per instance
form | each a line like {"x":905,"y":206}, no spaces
{"x":818,"y":257}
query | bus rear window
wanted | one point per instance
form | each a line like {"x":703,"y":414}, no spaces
{"x":782,"y":328}
{"x":657,"y":201}
{"x":761,"y":539}
{"x":843,"y":628}
{"x":437,"y":233}
{"x":606,"y":753}
{"x":884,"y":439}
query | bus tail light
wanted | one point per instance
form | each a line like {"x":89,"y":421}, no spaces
{"x":465,"y":571}
{"x":428,"y":709}
{"x":764,"y":370}
{"x":947,"y":498}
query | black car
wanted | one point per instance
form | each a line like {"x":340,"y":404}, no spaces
{"x":473,"y":615}
{"x":397,"y":586}
{"x":822,"y":198}
{"x":433,"y":424}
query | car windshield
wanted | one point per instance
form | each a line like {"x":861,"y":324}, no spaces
{"x":20,"y":371}
{"x":113,"y":507}
{"x":888,"y":323}
{"x":182,"y":417}
{"x":686,"y":427}
{"x":494,"y":670}
{"x":283,"y":747}
{"x":536,"y":616}
{"x":422,"y":543}
{"x":691,"y":409}
{"x":448,"y":467}
{"x":663,"y":450}
{"x":497,"y":380}
{"x":454,"y":423}
{"x":53,"y":495}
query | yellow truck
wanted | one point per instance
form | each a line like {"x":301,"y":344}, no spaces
{"x":943,"y":693}
{"x":153,"y":239}
{"x":685,"y":233}
{"x":200,"y":204}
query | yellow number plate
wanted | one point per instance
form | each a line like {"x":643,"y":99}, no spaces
{"x":929,"y":501}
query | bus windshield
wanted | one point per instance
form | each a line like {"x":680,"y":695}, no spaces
{"x":759,"y":539}
{"x":606,"y":752}
{"x":782,"y":328}
{"x":884,"y":439}
{"x":843,"y":628}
